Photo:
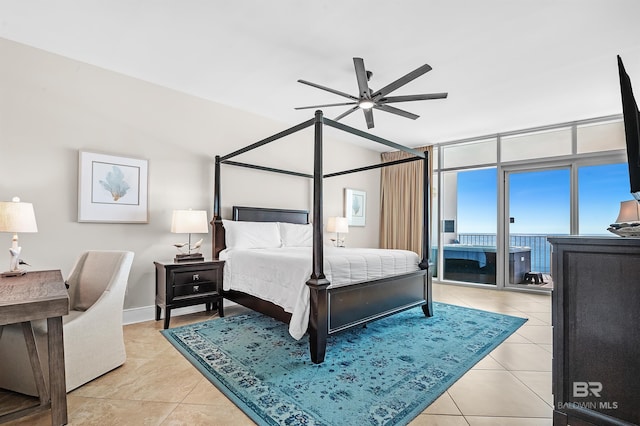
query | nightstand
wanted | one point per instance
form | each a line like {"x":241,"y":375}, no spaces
{"x":187,"y":284}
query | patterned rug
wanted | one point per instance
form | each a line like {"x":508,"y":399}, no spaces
{"x":383,"y":374}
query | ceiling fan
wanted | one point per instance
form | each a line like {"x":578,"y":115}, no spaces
{"x":369,"y":99}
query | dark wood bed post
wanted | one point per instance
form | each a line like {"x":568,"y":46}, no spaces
{"x":427,"y":308}
{"x":218,"y":231}
{"x":318,"y":318}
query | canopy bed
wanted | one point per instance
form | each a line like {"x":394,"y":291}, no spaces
{"x":332,"y":308}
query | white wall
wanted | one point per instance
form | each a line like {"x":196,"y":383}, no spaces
{"x":52,"y":107}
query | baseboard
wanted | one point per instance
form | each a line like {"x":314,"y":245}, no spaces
{"x":148,"y":313}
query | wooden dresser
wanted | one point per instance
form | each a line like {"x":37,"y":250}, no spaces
{"x":596,"y":330}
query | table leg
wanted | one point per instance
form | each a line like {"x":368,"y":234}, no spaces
{"x":57,"y":381}
{"x":167,"y":317}
{"x":36,"y":365}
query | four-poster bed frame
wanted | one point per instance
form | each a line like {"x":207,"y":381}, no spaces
{"x":331,"y":309}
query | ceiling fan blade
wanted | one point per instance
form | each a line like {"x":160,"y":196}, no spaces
{"x":344,"y":114}
{"x":397,"y":111}
{"x":401,"y":81}
{"x":368,"y":115}
{"x":361,"y":76}
{"x":328,"y":89}
{"x":326,"y":105}
{"x":408,"y":98}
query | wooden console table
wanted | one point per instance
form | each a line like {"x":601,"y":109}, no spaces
{"x":34,"y":296}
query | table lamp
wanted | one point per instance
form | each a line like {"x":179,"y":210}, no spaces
{"x":628,"y":222}
{"x":16,"y":217}
{"x":629,"y":212}
{"x":189,"y":222}
{"x":339,"y":225}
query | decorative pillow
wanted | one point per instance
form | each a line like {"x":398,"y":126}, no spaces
{"x":249,"y":235}
{"x":296,"y":235}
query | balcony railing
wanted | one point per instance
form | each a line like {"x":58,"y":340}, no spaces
{"x":540,"y":247}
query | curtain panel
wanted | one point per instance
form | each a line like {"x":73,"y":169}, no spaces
{"x":401,"y":201}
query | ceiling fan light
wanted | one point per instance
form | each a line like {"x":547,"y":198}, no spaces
{"x":366,"y":104}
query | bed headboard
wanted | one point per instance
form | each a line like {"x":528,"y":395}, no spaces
{"x":256,"y":214}
{"x":259,"y":214}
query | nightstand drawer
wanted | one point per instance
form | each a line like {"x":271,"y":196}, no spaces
{"x":193,"y":277}
{"x":191,"y":289}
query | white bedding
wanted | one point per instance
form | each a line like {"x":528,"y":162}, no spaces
{"x":279,"y":275}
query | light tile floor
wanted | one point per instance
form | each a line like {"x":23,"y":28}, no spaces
{"x":157,"y":386}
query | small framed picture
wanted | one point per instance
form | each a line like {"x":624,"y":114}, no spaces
{"x":112,"y":189}
{"x":355,"y":206}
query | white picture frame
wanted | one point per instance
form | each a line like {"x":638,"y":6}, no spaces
{"x":112,"y":189}
{"x":355,"y":206}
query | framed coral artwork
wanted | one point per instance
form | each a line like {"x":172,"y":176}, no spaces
{"x":355,"y":206}
{"x":112,"y":189}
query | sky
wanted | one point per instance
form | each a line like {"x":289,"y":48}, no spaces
{"x":539,"y":200}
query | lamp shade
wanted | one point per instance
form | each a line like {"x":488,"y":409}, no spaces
{"x":17,"y":217}
{"x":189,"y":222}
{"x":338,"y":225}
{"x":629,"y":211}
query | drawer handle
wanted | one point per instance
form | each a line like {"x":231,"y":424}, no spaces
{"x":196,"y":277}
{"x":196,"y":288}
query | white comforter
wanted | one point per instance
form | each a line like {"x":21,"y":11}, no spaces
{"x":280,"y":275}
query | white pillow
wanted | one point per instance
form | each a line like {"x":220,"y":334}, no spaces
{"x":296,"y":235}
{"x":249,"y":235}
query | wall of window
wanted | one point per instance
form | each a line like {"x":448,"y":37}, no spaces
{"x":472,"y":196}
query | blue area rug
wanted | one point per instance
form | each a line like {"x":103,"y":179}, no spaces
{"x":384,"y":374}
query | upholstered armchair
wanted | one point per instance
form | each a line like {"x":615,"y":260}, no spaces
{"x":93,"y":339}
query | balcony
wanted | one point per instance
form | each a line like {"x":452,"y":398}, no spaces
{"x":473,"y":259}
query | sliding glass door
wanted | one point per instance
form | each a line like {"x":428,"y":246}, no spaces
{"x":537,"y":206}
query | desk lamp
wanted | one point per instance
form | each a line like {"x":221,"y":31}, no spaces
{"x":16,"y":217}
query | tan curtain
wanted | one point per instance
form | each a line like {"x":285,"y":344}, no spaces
{"x":401,"y":201}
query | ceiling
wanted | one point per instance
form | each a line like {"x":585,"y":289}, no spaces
{"x":507,"y":65}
